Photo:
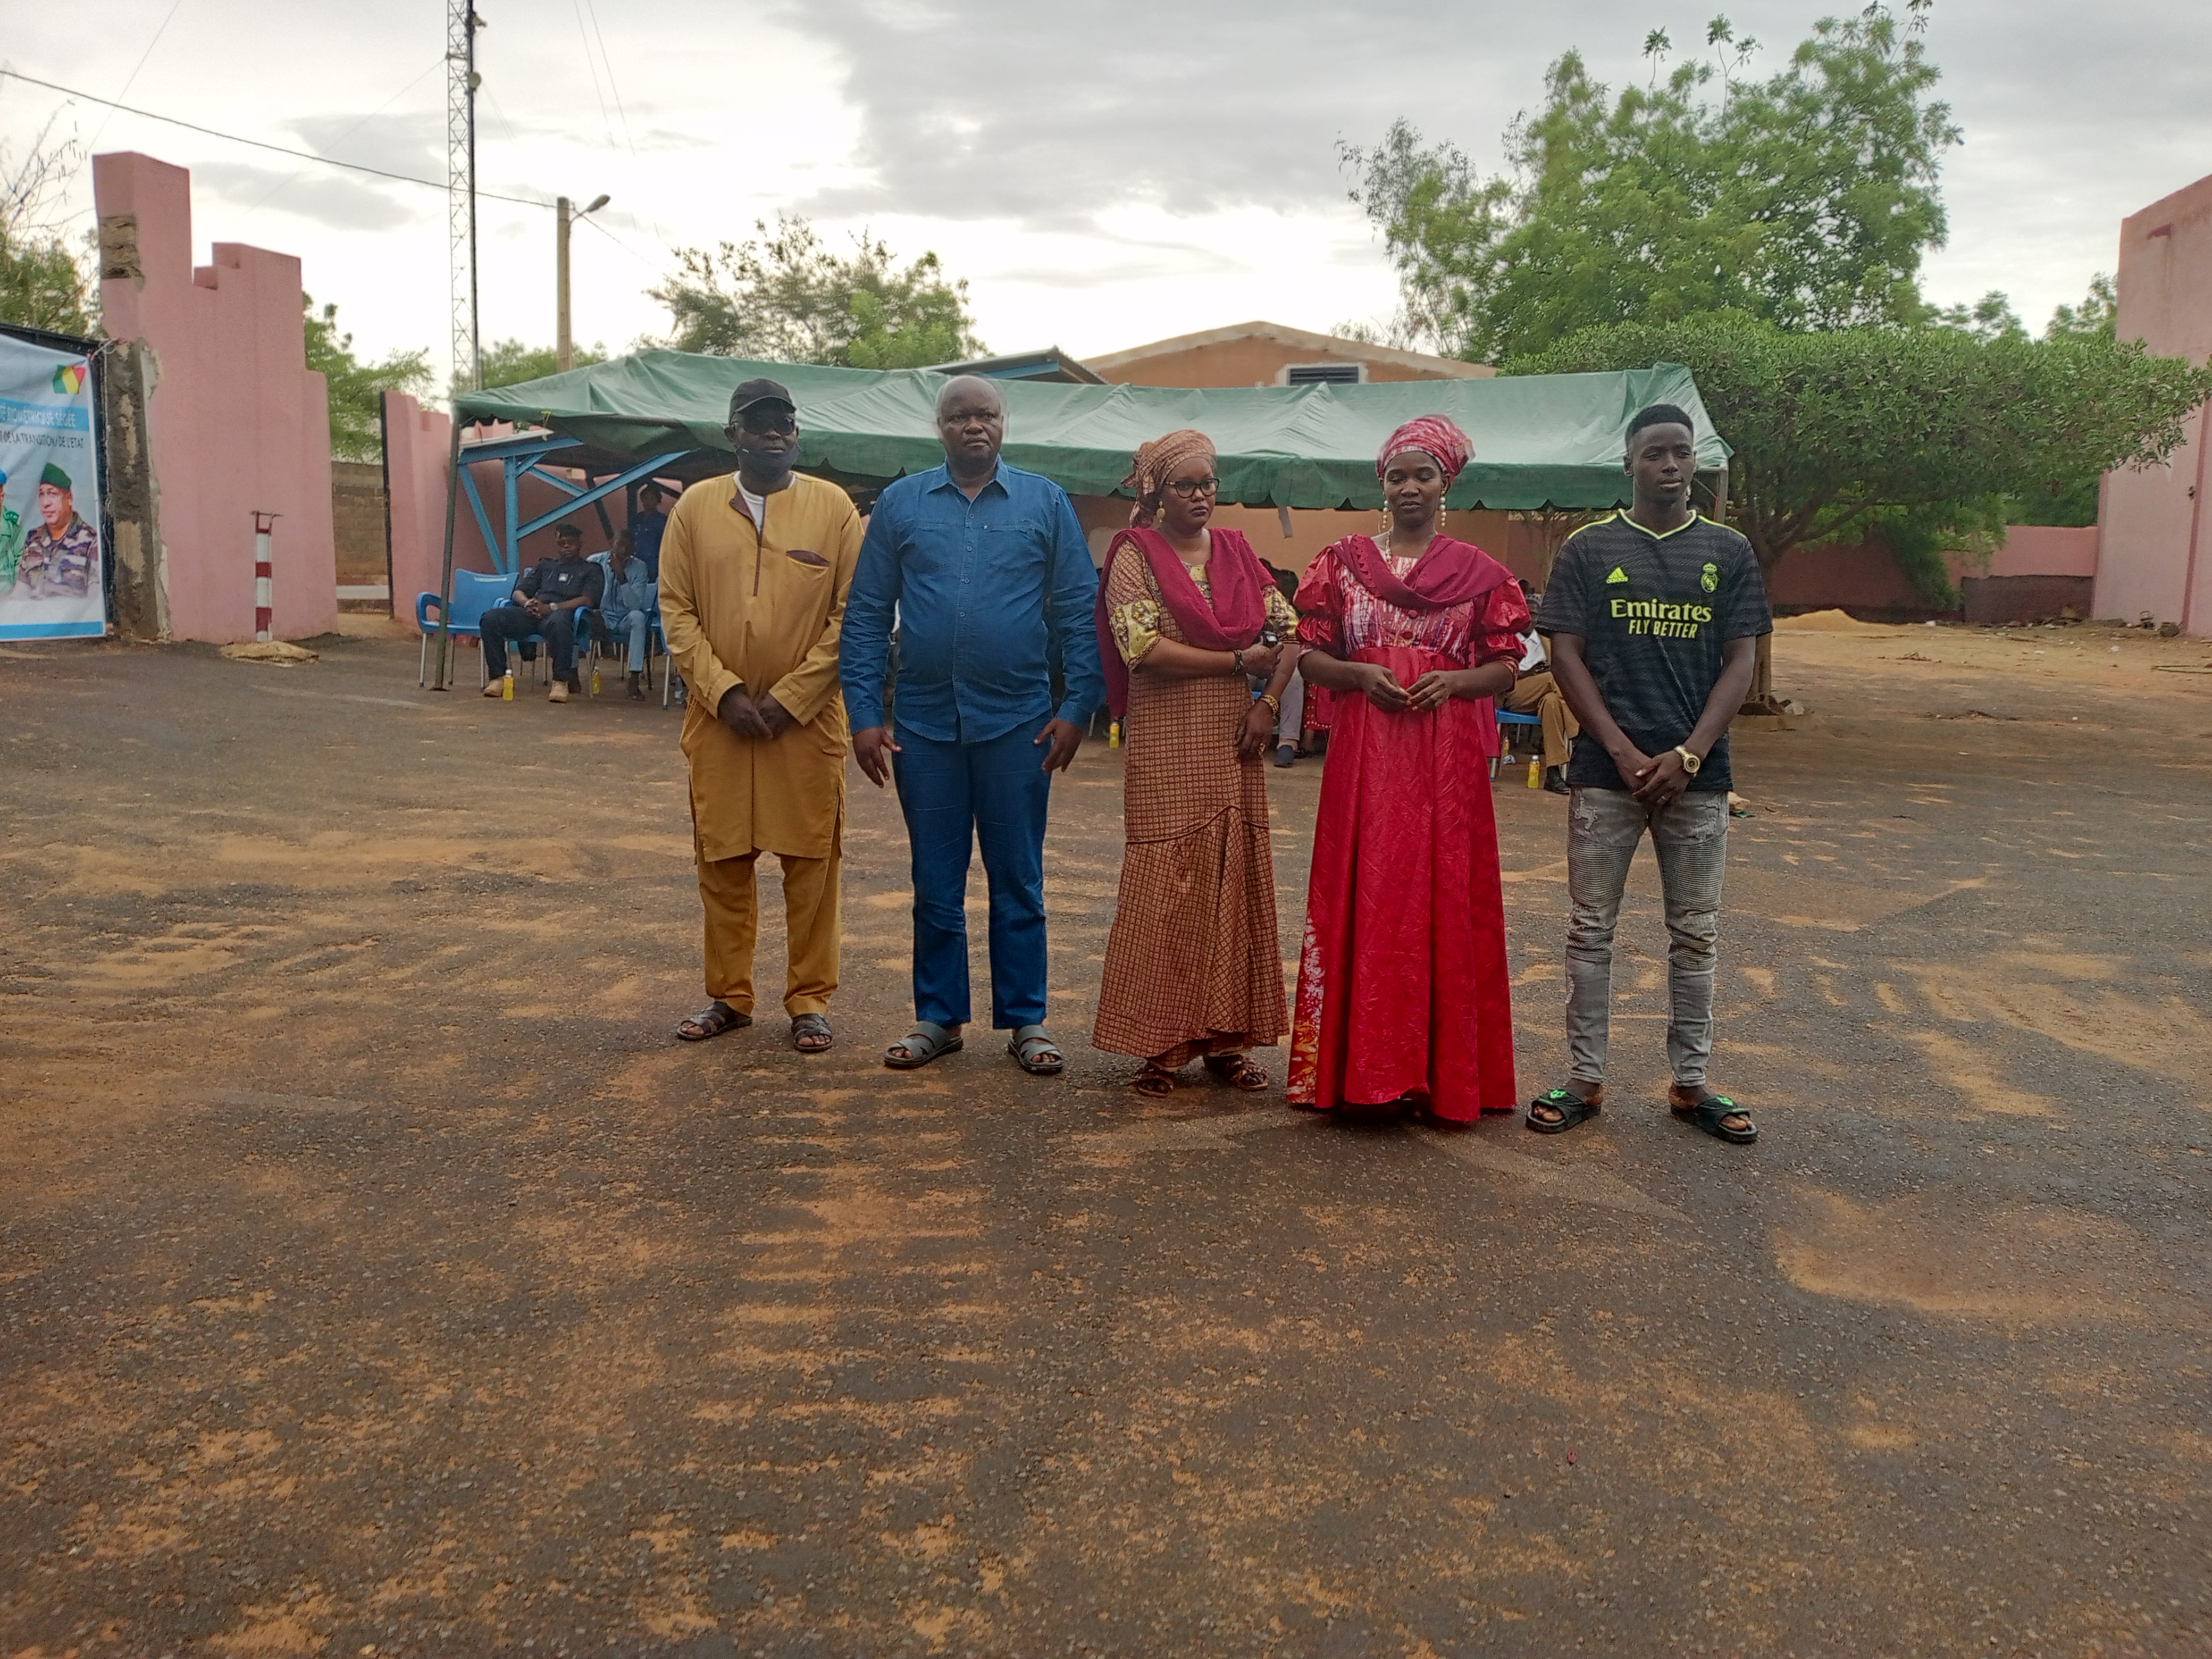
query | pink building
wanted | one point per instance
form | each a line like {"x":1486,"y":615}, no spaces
{"x":2154,"y":557}
{"x":236,"y":422}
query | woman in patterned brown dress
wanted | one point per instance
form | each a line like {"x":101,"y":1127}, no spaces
{"x":1188,"y":618}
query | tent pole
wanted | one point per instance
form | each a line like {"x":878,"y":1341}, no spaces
{"x":446,"y":577}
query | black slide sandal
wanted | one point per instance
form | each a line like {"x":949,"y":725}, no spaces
{"x":1708,"y":1113}
{"x":1571,"y":1108}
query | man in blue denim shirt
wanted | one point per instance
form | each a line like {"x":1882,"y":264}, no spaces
{"x":988,"y":572}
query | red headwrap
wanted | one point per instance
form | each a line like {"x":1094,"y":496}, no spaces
{"x":1435,"y":435}
{"x":1155,"y":463}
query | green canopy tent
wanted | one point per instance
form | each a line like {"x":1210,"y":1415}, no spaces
{"x":1541,"y":442}
{"x":1549,"y":441}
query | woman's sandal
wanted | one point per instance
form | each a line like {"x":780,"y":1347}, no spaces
{"x":1571,"y":1108}
{"x":922,"y":1044}
{"x":1237,"y":1071}
{"x":810,"y":1033}
{"x":716,"y":1017}
{"x":1030,"y":1045}
{"x":1153,"y":1081}
{"x":1707,"y":1114}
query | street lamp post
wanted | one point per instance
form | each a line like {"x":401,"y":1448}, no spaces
{"x":565,"y":214}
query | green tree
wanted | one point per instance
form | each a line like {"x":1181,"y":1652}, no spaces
{"x":783,"y":297}
{"x":2097,"y":317}
{"x":42,"y":283}
{"x":1807,"y":198}
{"x":356,"y":388}
{"x":1989,"y":318}
{"x":1922,"y":436}
{"x":510,"y":362}
{"x":2072,"y":498}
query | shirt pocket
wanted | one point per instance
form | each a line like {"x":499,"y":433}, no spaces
{"x":1015,"y":547}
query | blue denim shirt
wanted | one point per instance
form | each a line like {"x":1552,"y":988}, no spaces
{"x":986,"y":593}
{"x":639,"y":592}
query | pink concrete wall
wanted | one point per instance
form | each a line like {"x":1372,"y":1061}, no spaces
{"x":2155,"y":554}
{"x":2032,"y":549}
{"x":1861,"y":578}
{"x":236,"y":420}
{"x":1867,"y":577}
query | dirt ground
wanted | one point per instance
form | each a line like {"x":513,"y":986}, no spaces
{"x":378,"y":1277}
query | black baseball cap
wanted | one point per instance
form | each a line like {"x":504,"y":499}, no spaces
{"x":758,"y":391}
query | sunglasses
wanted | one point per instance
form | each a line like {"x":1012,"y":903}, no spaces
{"x":764,"y":423}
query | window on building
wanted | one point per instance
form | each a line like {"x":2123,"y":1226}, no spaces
{"x":1322,"y":375}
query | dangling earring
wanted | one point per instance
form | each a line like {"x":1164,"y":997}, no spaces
{"x":1444,"y":514}
{"x":1382,"y":523}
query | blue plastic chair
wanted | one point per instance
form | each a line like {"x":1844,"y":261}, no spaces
{"x":594,"y":627}
{"x":474,"y":594}
{"x":1506,"y":723}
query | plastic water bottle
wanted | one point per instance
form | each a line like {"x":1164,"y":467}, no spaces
{"x":507,"y":687}
{"x":1535,"y":773}
{"x":595,"y":679}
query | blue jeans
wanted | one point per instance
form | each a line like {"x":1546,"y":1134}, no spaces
{"x":634,"y":623}
{"x":956,"y":795}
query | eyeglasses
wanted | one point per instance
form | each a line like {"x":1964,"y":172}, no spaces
{"x":1190,"y":489}
{"x":768,"y":421}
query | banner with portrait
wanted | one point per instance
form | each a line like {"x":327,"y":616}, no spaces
{"x":51,"y":582}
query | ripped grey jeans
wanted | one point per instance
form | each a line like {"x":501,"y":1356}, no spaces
{"x":1690,"y":838}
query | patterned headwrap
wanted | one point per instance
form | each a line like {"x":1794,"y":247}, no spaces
{"x":1437,"y":436}
{"x":1155,"y":464}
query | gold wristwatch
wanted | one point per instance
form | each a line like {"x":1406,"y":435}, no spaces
{"x":1690,"y":762}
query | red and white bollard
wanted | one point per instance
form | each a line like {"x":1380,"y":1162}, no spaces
{"x":265,"y":575}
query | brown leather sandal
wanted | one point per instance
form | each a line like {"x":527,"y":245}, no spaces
{"x":716,"y":1017}
{"x":1237,"y":1071}
{"x":1152,"y":1082}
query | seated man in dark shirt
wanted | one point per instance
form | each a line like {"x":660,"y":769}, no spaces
{"x":546,"y":601}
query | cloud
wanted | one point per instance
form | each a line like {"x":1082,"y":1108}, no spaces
{"x":1048,"y":116}
{"x":410,"y":144}
{"x":342,"y":201}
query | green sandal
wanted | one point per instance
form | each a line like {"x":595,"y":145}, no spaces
{"x":1571,"y":1108}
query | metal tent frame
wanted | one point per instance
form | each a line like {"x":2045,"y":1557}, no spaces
{"x":526,"y":456}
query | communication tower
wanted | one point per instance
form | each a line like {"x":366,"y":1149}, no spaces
{"x":461,"y":83}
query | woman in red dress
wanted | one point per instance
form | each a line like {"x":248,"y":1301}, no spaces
{"x":1402,"y":986}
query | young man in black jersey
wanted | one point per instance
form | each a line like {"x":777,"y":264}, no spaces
{"x":1653,"y":617}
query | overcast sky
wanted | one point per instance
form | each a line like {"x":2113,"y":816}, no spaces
{"x":1102,"y":174}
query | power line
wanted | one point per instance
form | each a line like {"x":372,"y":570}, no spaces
{"x":348,"y":133}
{"x":619,"y":243}
{"x":605,"y":125}
{"x":167,"y":18}
{"x":591,"y":7}
{"x":279,"y":149}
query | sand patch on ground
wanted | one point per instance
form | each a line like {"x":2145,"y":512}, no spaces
{"x":1831,"y":621}
{"x":2020,"y":1264}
